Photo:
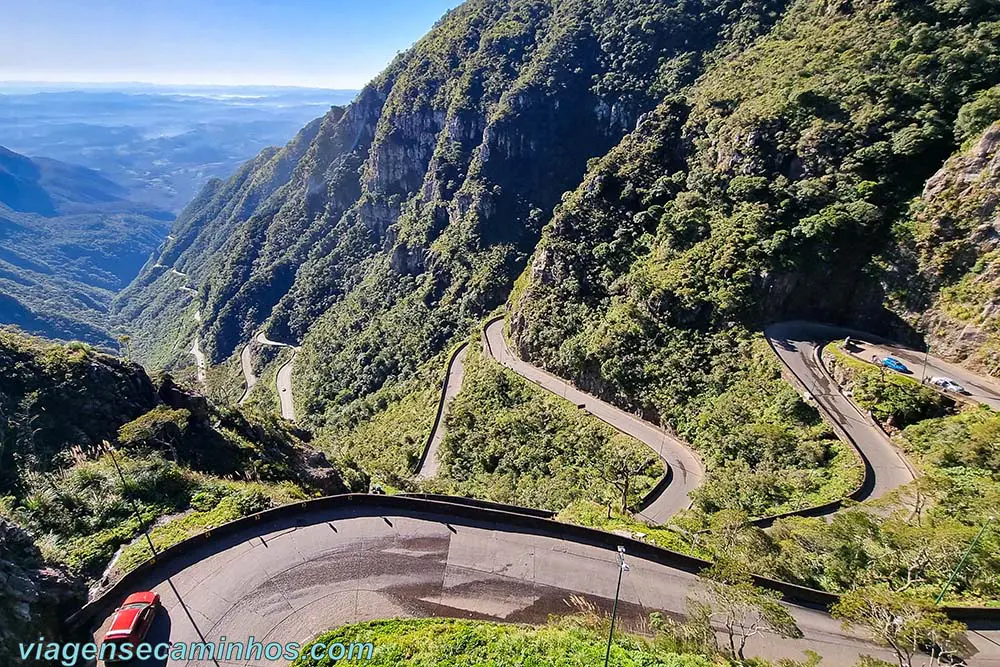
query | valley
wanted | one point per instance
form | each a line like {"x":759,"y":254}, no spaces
{"x":704,"y":288}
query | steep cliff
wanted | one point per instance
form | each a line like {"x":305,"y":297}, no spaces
{"x":771,"y":190}
{"x":954,"y":237}
{"x":388,"y":226}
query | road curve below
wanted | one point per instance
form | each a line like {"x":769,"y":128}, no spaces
{"x":199,"y":360}
{"x":284,"y":379}
{"x":685,"y":466}
{"x":797,"y":344}
{"x":287,"y":580}
{"x":452,"y":386}
{"x":249,"y":377}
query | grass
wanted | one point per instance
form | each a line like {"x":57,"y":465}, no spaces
{"x":894,"y":400}
{"x":593,"y":515}
{"x":215,"y":505}
{"x":509,"y":441}
{"x":571,"y":642}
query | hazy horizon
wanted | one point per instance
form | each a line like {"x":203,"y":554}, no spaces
{"x":317,"y":44}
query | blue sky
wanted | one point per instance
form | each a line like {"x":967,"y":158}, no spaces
{"x":324,"y":43}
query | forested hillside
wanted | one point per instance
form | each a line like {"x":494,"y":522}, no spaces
{"x":391,"y":225}
{"x":665,"y":177}
{"x":778,"y":187}
{"x":64,"y":510}
{"x":69,"y":239}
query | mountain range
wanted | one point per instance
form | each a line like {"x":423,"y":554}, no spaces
{"x":639,"y":189}
{"x":647,"y":181}
{"x":69,"y":240}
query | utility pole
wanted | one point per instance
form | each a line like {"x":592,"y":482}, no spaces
{"x":923,"y":373}
{"x":965,"y":557}
{"x":135,"y":505}
{"x":622,"y":568}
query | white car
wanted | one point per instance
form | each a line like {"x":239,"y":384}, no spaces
{"x":948,"y":385}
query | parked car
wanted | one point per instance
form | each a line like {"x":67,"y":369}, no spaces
{"x":132,"y":620}
{"x":948,"y":384}
{"x":895,"y":364}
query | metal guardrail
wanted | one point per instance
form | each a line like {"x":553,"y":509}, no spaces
{"x":867,"y":478}
{"x":454,"y":511}
{"x":668,"y":472}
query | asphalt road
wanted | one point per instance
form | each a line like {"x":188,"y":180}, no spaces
{"x":199,"y":359}
{"x":284,"y":382}
{"x":687,"y":469}
{"x":980,"y":389}
{"x":456,"y":374}
{"x":249,"y":377}
{"x":796,"y":344}
{"x":291,"y":581}
{"x":284,"y":379}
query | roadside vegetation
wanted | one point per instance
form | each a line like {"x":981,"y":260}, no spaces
{"x":512,"y":442}
{"x":579,"y":639}
{"x":894,"y":400}
{"x":188,"y":464}
{"x":719,"y":621}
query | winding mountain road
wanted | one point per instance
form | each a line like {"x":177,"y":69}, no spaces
{"x":980,"y":389}
{"x":452,"y":386}
{"x":685,"y":466}
{"x":284,"y":378}
{"x":797,"y":344}
{"x":199,"y":360}
{"x":289,"y":580}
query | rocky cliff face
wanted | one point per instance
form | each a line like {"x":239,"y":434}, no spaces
{"x":407,"y":215}
{"x":775,"y":187}
{"x":957,"y":243}
{"x":35,"y":598}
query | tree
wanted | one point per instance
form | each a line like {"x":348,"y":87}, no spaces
{"x":125,"y":346}
{"x":905,"y":622}
{"x":743,"y":609}
{"x":626,"y":459}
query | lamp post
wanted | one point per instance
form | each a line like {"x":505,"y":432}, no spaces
{"x":622,"y":568}
{"x":965,"y":557}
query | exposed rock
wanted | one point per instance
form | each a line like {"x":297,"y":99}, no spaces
{"x":35,"y":598}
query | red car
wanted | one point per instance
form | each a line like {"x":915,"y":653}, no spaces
{"x":132,"y":621}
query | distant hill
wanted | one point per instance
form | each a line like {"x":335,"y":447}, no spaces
{"x":161,"y":144}
{"x":69,"y":240}
{"x":46,"y":186}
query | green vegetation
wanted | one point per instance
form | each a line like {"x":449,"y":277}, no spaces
{"x":388,"y":430}
{"x":909,"y":625}
{"x":970,"y":440}
{"x":64,"y":407}
{"x":511,"y":442}
{"x":440,"y":642}
{"x":779,"y":148}
{"x":213,"y":504}
{"x":798,"y":155}
{"x":68,"y":241}
{"x":947,"y":236}
{"x":595,"y":515}
{"x":387,"y":229}
{"x":977,"y":115}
